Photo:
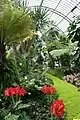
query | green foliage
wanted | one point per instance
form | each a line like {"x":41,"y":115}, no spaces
{"x":31,"y":77}
{"x":74,"y":29}
{"x":74,"y":35}
{"x":15,"y":25}
{"x":11,"y":117}
{"x":56,"y":72}
{"x":61,"y":52}
{"x":14,"y":111}
{"x":69,"y":94}
{"x":34,"y":80}
{"x":9,"y":76}
{"x":57,"y":53}
{"x":29,"y":65}
{"x":40,"y":16}
{"x":33,"y":58}
{"x":23,"y":116}
{"x":59,"y":49}
{"x":39,"y":110}
{"x":19,"y":106}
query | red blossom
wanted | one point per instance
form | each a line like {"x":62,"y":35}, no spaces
{"x":57,"y":108}
{"x":12,"y":91}
{"x":17,"y":89}
{"x":22,"y":92}
{"x":6,"y":93}
{"x":48,"y":90}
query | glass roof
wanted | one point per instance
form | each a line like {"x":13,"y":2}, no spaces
{"x":61,"y":11}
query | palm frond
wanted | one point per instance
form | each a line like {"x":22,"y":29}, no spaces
{"x":15,"y":24}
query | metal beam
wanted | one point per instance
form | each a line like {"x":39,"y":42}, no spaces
{"x":58,"y":4}
{"x":54,"y":11}
{"x":41,"y":2}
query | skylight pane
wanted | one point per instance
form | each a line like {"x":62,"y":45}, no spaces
{"x":62,"y":11}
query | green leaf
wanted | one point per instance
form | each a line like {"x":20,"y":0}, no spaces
{"x":11,"y":117}
{"x":15,"y":24}
{"x":17,"y":103}
{"x":23,"y":116}
{"x":56,"y":53}
{"x":22,"y":106}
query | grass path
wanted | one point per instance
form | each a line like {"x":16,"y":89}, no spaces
{"x":70,"y":95}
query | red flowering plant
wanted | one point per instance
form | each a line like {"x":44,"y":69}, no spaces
{"x":16,"y":106}
{"x":57,"y":108}
{"x":50,"y":92}
{"x":15,"y":93}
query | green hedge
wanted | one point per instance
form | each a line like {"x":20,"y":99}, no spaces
{"x":70,"y":95}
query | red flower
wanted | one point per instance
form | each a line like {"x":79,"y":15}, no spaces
{"x":57,"y":108}
{"x":12,"y":91}
{"x":17,"y":89}
{"x":22,"y":92}
{"x":48,"y":89}
{"x":6,"y":93}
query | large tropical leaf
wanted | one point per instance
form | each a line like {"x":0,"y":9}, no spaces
{"x":69,"y":48}
{"x":56,"y":53}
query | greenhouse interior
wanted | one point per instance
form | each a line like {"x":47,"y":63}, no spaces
{"x":39,"y":59}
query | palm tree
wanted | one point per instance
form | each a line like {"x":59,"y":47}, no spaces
{"x":15,"y":26}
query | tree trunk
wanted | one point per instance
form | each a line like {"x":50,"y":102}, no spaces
{"x":2,"y":55}
{"x":2,"y":58}
{"x":15,"y":54}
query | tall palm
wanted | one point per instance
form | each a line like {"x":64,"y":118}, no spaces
{"x":15,"y":26}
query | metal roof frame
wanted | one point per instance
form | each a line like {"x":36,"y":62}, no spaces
{"x":72,"y":6}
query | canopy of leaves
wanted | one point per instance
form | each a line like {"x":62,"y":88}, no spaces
{"x":15,"y":24}
{"x":74,"y":35}
{"x":40,"y":16}
{"x":74,"y":30}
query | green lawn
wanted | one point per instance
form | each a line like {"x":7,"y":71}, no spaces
{"x":70,"y":95}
